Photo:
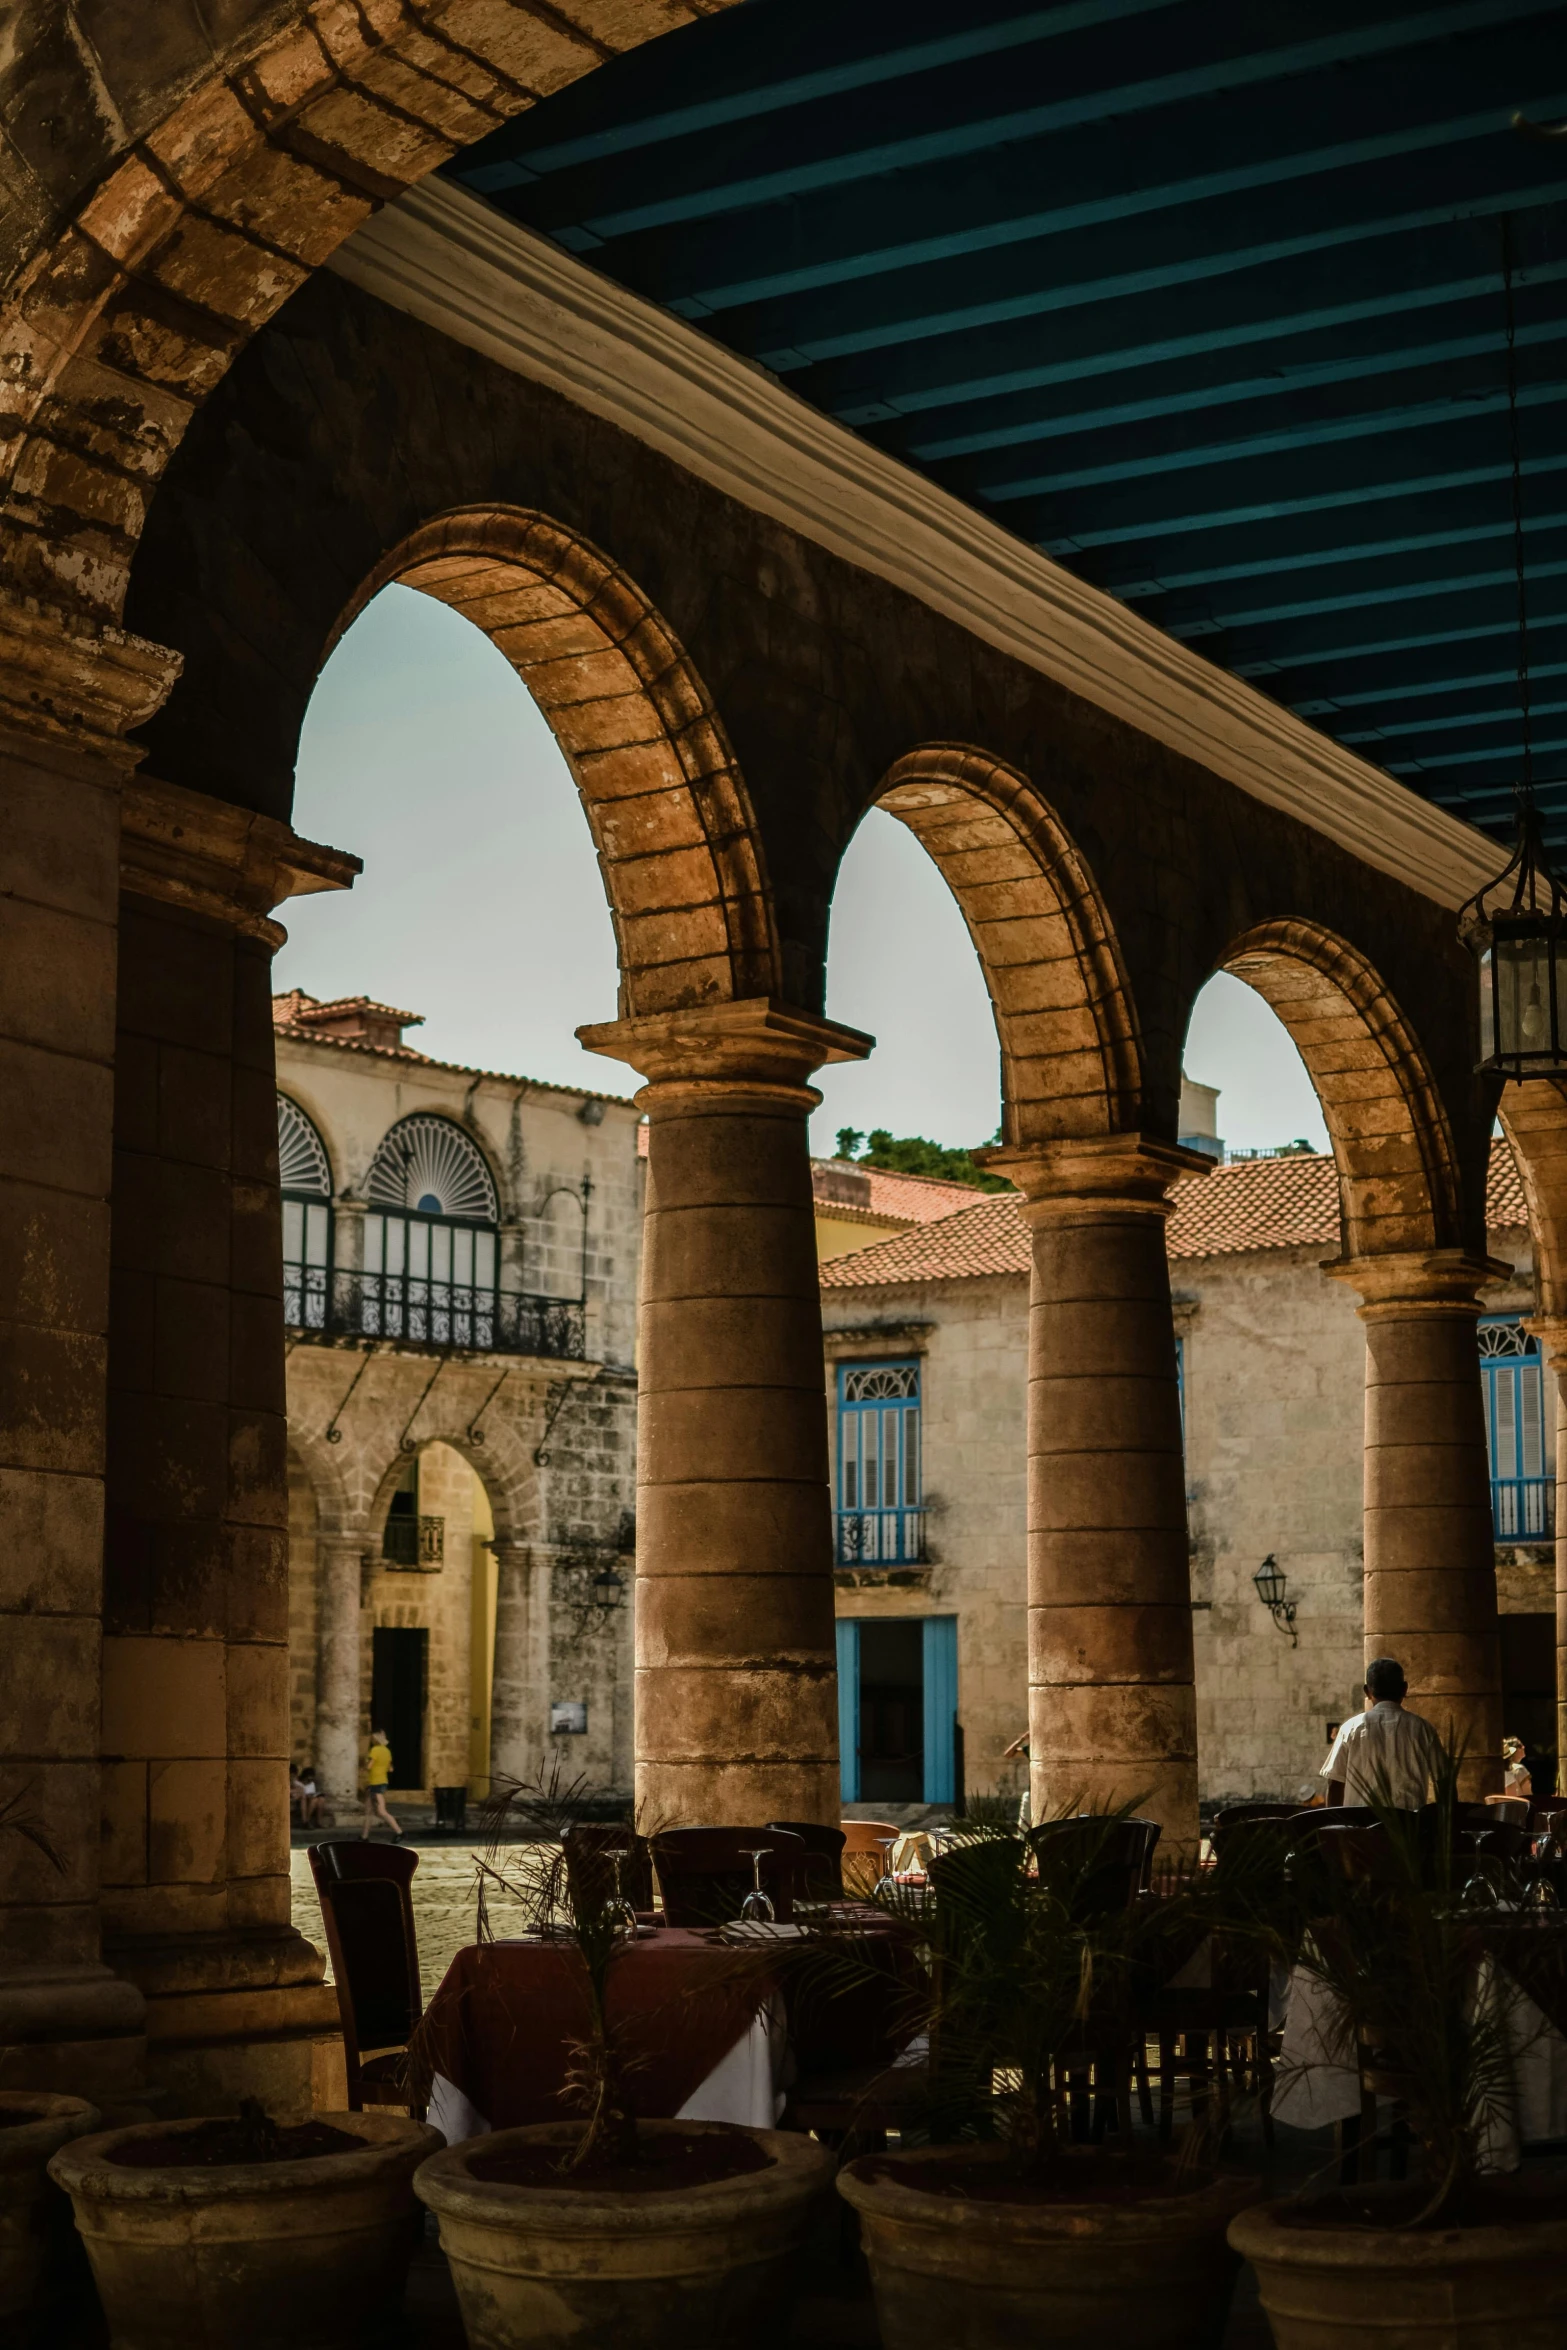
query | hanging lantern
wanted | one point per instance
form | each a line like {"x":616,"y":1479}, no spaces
{"x":1517,"y":926}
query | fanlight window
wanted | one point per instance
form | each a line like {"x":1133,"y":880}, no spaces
{"x":886,"y":1383}
{"x":306,"y":1178}
{"x":430,"y":1258}
{"x":429,"y":1165}
{"x":1518,"y":1431}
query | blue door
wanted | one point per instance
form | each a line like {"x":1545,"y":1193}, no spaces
{"x":936,"y":1775}
{"x":849,"y":1707}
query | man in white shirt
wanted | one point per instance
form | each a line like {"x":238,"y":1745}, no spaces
{"x":1385,"y":1754}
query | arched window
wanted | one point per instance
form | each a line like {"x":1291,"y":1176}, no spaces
{"x":430,"y":1257}
{"x":1518,"y":1431}
{"x":305,"y":1174}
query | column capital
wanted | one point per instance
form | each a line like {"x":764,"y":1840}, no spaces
{"x":1413,"y":1281}
{"x":753,"y":1043}
{"x":71,"y":682}
{"x":1103,"y":1174}
{"x":210,"y":858}
{"x":1551,"y":1331}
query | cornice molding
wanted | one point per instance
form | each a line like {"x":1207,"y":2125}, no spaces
{"x":211,"y":858}
{"x":447,"y":258}
{"x":67,"y":681}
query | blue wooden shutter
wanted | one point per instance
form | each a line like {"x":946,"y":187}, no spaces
{"x":849,"y":1707}
{"x":941,"y":1706}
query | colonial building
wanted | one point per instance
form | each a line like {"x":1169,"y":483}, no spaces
{"x":927,"y":1356}
{"x":460,"y":1257}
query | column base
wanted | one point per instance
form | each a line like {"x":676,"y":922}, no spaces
{"x":234,"y":2017}
{"x":81,"y":2034}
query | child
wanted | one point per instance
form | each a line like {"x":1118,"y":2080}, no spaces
{"x":377,"y":1777}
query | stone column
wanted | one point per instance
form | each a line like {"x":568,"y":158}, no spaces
{"x":195,"y":1674}
{"x":1430,"y":1556}
{"x":339,"y":1587}
{"x":736,"y":1684}
{"x":1112,"y":1710}
{"x":68,"y":694}
{"x":517,"y":1701}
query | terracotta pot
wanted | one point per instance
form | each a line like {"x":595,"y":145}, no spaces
{"x":705,"y":2265}
{"x":1497,"y":2287}
{"x":306,"y":2255}
{"x":37,"y":2241}
{"x":981,"y":2275}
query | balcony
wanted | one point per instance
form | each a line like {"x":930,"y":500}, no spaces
{"x":432,"y":1313}
{"x":1523,"y":1509}
{"x":879,"y":1538}
{"x":418,"y":1543}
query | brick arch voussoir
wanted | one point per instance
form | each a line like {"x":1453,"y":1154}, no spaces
{"x":501,"y":1463}
{"x":1399,"y":1182}
{"x":246,"y":170}
{"x":335,"y":1512}
{"x":677,"y":838}
{"x":1071,"y":1055}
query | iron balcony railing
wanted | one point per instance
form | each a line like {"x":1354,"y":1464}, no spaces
{"x":414,"y":1542}
{"x":880,"y":1538}
{"x":1523,"y":1509}
{"x":432,"y":1313}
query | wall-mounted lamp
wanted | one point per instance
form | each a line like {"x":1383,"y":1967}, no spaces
{"x":1272,"y":1585}
{"x":609,"y":1589}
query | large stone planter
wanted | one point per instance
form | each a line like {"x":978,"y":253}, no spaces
{"x":37,"y":2240}
{"x":298,"y":2255}
{"x":604,"y":2270}
{"x":1498,"y":2287}
{"x":986,"y":2275}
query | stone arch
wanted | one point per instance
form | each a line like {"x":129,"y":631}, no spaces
{"x":677,"y":840}
{"x":200,"y":187}
{"x":500,"y":1462}
{"x":1071,"y":1059}
{"x":335,"y":1510}
{"x":1398,"y":1170}
{"x":1534,"y":1119}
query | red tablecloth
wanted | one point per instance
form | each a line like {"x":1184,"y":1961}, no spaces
{"x":502,"y":2021}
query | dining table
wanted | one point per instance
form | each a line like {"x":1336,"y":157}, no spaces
{"x":706,"y":2029}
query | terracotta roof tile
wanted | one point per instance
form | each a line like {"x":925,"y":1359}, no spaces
{"x":1288,"y":1202}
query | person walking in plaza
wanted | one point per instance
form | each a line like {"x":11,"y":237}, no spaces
{"x":378,"y":1774}
{"x":1386,"y":1754}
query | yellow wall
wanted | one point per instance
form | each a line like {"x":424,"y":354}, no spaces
{"x":836,"y":1235}
{"x":481,"y":1649}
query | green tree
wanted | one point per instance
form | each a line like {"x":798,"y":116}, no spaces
{"x":912,"y":1154}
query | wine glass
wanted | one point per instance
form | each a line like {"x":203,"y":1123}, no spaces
{"x":886,"y":1883}
{"x":756,"y":1908}
{"x":1479,"y":1892}
{"x":622,"y":1917}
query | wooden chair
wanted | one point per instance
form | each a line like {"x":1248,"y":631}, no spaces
{"x":822,"y":1877}
{"x":589,"y":1847}
{"x":1102,"y":1864}
{"x":867,"y":1853}
{"x":367,"y":1911}
{"x":704,"y":1874}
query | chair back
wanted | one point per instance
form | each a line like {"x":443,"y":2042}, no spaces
{"x":705,"y":1873}
{"x":1504,"y":1825}
{"x":821,"y":1877}
{"x":1545,"y":1811}
{"x":867,"y":1854}
{"x":590,"y":1847}
{"x":1100,"y":1865}
{"x":367,"y":1911}
{"x":1347,"y":1838}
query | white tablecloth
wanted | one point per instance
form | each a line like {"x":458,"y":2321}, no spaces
{"x":1317,"y":2080}
{"x":747,"y":2086}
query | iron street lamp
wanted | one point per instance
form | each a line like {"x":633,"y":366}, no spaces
{"x":1272,"y":1584}
{"x":609,"y":1589}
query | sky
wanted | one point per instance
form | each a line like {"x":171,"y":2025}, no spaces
{"x":480,"y":907}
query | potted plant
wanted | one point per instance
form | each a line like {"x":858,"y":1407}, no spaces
{"x":1001,"y":2229}
{"x":603,"y":2227}
{"x":1410,"y":1945}
{"x":247,"y":2234}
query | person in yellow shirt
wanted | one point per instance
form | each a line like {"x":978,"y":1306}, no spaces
{"x":378,"y":1773}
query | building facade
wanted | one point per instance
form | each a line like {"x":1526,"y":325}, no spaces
{"x":460,"y":1256}
{"x":927,"y":1371}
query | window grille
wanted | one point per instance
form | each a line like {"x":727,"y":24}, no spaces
{"x":305,"y":1175}
{"x":880,"y":1518}
{"x":1517,"y":1431}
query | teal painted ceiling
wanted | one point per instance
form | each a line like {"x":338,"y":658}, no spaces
{"x":1201,"y":297}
